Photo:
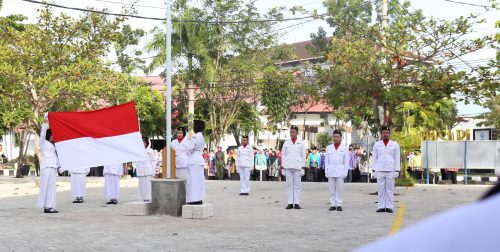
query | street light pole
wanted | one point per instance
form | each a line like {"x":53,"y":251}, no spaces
{"x":168,"y":89}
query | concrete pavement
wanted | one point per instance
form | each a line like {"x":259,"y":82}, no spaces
{"x":241,"y":223}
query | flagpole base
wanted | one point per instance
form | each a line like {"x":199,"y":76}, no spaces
{"x":168,"y":197}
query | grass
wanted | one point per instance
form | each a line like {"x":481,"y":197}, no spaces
{"x":405,"y":182}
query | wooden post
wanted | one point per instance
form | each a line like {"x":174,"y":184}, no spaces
{"x":164,"y":163}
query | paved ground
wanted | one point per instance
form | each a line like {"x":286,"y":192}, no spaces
{"x":257,"y":222}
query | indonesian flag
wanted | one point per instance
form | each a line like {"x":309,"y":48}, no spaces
{"x":102,"y":137}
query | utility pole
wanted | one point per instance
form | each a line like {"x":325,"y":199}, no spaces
{"x":168,"y":83}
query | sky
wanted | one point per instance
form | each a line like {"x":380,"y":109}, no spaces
{"x":295,"y":32}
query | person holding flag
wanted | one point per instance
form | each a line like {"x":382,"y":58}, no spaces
{"x":145,"y":170}
{"x":195,"y":165}
{"x":49,"y":167}
{"x":180,"y":146}
{"x":112,"y":175}
{"x":79,"y":183}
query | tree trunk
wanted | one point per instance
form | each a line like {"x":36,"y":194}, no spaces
{"x":376,"y":115}
{"x":20,"y":160}
{"x":236,"y":135}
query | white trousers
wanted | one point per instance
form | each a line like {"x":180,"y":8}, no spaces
{"x":336,"y":189}
{"x":47,"y":194}
{"x":112,"y":186}
{"x":183,"y":173}
{"x":144,"y":187}
{"x":196,"y":183}
{"x":385,"y":183}
{"x":293,"y":185}
{"x":78,"y":184}
{"x":244,"y":179}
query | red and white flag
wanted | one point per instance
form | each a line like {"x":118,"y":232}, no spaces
{"x":102,"y":137}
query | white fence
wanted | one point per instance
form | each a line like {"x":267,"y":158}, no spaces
{"x":461,"y":154}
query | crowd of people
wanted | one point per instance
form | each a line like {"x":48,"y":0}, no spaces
{"x":268,"y":165}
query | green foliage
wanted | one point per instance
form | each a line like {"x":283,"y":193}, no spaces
{"x":404,"y":62}
{"x":405,"y":182}
{"x":492,"y":118}
{"x":277,"y":95}
{"x":56,"y":65}
{"x":222,"y":60}
{"x":442,"y":114}
{"x":129,"y":37}
{"x":324,"y":139}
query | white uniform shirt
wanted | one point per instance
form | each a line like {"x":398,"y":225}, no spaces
{"x":48,"y":149}
{"x":245,"y":157}
{"x":336,"y":161}
{"x":181,"y":152}
{"x":146,"y":167}
{"x":195,"y":150}
{"x":114,"y":169}
{"x":294,"y":154}
{"x":386,"y":158}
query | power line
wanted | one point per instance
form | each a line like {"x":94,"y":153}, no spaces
{"x":129,"y":4}
{"x":470,"y":4}
{"x":175,"y":21}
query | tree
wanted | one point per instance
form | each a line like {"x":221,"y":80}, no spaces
{"x":278,"y":96}
{"x":492,"y":118}
{"x":324,"y":139}
{"x":53,"y":65}
{"x":403,"y":62}
{"x":129,"y":37}
{"x":221,"y":61}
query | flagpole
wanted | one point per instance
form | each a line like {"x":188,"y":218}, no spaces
{"x":168,"y":89}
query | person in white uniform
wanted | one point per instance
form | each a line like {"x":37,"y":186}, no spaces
{"x":79,"y":183}
{"x":145,"y":170}
{"x":196,"y":180}
{"x":180,"y":145}
{"x":336,"y":169}
{"x":244,"y":164}
{"x":112,"y":175}
{"x":386,"y":164}
{"x":49,"y":167}
{"x":294,"y":159}
{"x":472,"y":227}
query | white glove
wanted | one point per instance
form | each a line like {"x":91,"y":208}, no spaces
{"x":302,"y":172}
{"x":396,"y":174}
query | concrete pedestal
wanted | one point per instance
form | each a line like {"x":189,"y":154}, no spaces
{"x":168,"y":196}
{"x":197,"y":211}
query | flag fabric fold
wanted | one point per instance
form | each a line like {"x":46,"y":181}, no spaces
{"x":94,"y":138}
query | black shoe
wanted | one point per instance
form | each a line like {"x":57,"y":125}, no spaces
{"x":76,"y":201}
{"x":297,"y":206}
{"x":332,"y":208}
{"x":112,"y":202}
{"x":339,"y":208}
{"x":80,"y":200}
{"x":241,"y":194}
{"x":195,"y":203}
{"x":380,"y":210}
{"x":50,"y":210}
{"x":290,"y":206}
{"x":388,"y":210}
{"x":246,"y":194}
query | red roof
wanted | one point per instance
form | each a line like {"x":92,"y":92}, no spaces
{"x":157,"y":82}
{"x":301,"y":51}
{"x":313,"y":107}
